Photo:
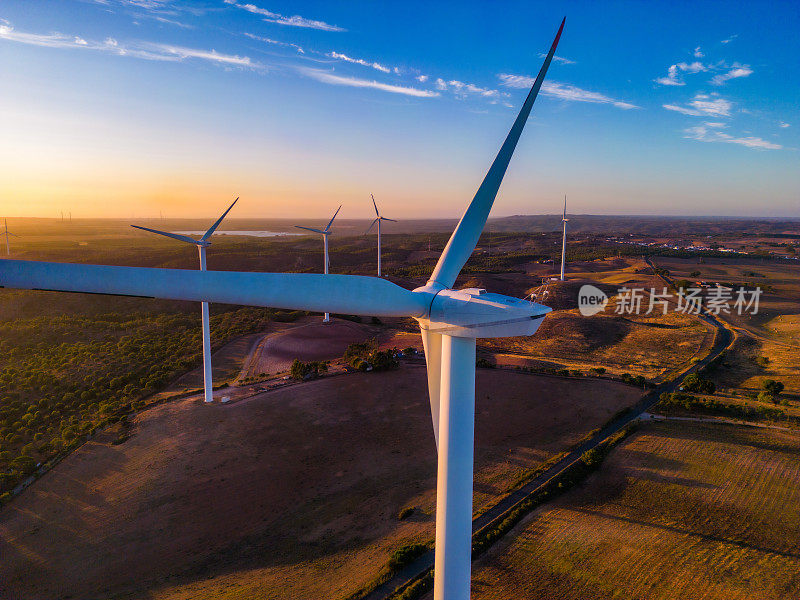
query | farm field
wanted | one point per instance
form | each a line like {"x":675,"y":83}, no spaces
{"x":291,"y":494}
{"x":679,"y":510}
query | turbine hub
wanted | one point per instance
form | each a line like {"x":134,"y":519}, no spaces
{"x":476,"y":313}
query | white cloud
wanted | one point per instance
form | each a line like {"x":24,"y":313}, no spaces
{"x":783,"y":125}
{"x":736,"y":72}
{"x":328,"y":77}
{"x":730,"y":39}
{"x":358,"y":61}
{"x":558,"y":59}
{"x":563,"y":91}
{"x":422,"y":78}
{"x":671,"y":78}
{"x":294,"y":21}
{"x":143,"y":50}
{"x":703,"y":133}
{"x":210,"y":55}
{"x":704,"y":105}
{"x":441,"y":85}
{"x":715,"y":124}
{"x":697,"y":53}
{"x":266,"y":40}
{"x":672,"y":72}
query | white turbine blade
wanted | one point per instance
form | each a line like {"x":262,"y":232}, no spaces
{"x":377,"y":214}
{"x":469,"y":228}
{"x":213,"y":228}
{"x":432,"y":344}
{"x":386,"y":219}
{"x":371,"y":226}
{"x":346,"y":294}
{"x":175,"y":236}
{"x":333,"y":217}
{"x":565,"y":208}
{"x":312,"y":229}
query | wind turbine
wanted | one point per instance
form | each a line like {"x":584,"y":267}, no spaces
{"x":378,"y":221}
{"x":564,"y":220}
{"x":325,"y":233}
{"x":7,"y":233}
{"x":203,"y":243}
{"x":450,"y":321}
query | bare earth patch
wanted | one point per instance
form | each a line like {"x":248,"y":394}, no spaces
{"x":292,"y":494}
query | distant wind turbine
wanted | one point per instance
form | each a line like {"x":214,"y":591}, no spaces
{"x":378,"y":221}
{"x":450,"y":321}
{"x":564,"y":220}
{"x":325,"y":233}
{"x":203,"y":243}
{"x":7,"y":233}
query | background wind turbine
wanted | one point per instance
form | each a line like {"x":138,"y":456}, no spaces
{"x":7,"y":233}
{"x":325,"y":233}
{"x":378,"y":221}
{"x":203,"y":243}
{"x":450,"y":322}
{"x":564,"y":220}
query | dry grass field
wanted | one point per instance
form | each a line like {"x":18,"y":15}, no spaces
{"x":290,"y":494}
{"x":679,"y":510}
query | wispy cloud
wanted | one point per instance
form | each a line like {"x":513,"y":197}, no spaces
{"x":734,"y":73}
{"x":563,"y":91}
{"x":211,"y":55}
{"x":267,"y":40}
{"x":698,"y":53}
{"x":142,"y":50}
{"x":421,"y":78}
{"x":783,"y":125}
{"x":328,"y":77}
{"x":358,"y":61}
{"x":293,"y":21}
{"x":710,"y":132}
{"x":462,"y":90}
{"x":558,"y":59}
{"x":730,"y":39}
{"x":703,"y":105}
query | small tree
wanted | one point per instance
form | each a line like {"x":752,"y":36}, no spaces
{"x":772,"y":386}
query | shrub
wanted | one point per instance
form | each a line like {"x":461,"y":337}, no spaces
{"x":484,"y":363}
{"x":302,"y":371}
{"x":772,"y":386}
{"x":405,"y":513}
{"x":405,"y":555}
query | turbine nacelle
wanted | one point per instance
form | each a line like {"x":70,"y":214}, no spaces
{"x":476,"y":313}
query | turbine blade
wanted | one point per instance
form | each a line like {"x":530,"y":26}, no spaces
{"x":347,"y":294}
{"x":386,"y":219}
{"x":432,"y":344}
{"x":377,"y":214}
{"x":213,"y":228}
{"x":565,"y":207}
{"x":312,"y":229}
{"x":174,"y":236}
{"x":333,"y":217}
{"x":469,"y":228}
{"x":371,"y":226}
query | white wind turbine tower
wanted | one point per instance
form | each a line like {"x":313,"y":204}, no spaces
{"x":564,"y":220}
{"x":450,"y":321}
{"x":325,"y":233}
{"x":378,"y":221}
{"x":8,"y":234}
{"x":203,"y":243}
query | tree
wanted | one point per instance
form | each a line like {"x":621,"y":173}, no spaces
{"x":772,"y":386}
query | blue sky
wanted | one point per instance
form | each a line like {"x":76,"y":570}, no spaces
{"x":135,"y":107}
